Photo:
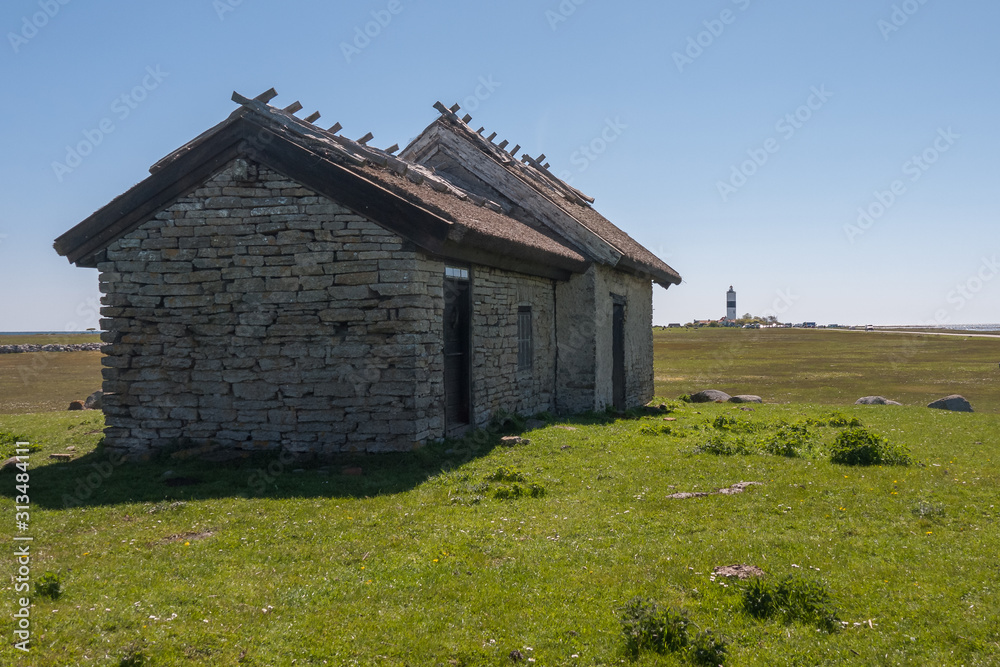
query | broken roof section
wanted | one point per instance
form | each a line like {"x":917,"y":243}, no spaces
{"x":553,"y":232}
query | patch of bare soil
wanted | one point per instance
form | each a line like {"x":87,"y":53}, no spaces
{"x":739,"y":571}
{"x":728,"y":491}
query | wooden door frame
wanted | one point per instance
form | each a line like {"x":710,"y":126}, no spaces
{"x":459,"y":429}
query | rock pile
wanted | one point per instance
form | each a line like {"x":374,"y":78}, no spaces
{"x":52,"y":347}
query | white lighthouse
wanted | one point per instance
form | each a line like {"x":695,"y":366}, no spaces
{"x":731,"y":304}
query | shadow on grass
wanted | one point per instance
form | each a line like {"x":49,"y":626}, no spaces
{"x":99,"y":478}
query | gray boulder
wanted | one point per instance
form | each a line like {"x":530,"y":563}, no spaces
{"x":94,"y":401}
{"x":875,"y":400}
{"x":955,"y":403}
{"x":710,"y":396}
{"x":746,"y":398}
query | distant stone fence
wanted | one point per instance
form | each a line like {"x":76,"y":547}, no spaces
{"x":75,"y":347}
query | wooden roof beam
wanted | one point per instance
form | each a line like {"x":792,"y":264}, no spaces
{"x":267,"y":95}
{"x":293,"y":108}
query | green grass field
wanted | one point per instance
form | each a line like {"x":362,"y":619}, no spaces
{"x":828,"y":367}
{"x":419,"y":561}
{"x":47,"y":381}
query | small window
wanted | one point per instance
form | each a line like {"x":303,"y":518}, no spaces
{"x":525,"y":350}
{"x":456,"y":272}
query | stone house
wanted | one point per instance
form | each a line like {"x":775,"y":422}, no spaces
{"x":275,"y":285}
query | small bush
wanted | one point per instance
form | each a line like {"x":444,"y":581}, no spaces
{"x":506,"y":474}
{"x":648,"y":626}
{"x":790,"y":441}
{"x":684,"y":398}
{"x":708,"y":649}
{"x":861,"y":447}
{"x":135,"y":655}
{"x":723,"y":446}
{"x":49,"y":585}
{"x":655,"y":429}
{"x":839,"y":419}
{"x":794,"y":598}
{"x":517,"y":491}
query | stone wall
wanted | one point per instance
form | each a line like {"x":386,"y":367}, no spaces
{"x":258,"y":315}
{"x":638,"y":296}
{"x":497,"y":383}
{"x":575,"y":332}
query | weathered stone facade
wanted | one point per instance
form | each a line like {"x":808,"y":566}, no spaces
{"x":260,"y":315}
{"x":497,"y":382}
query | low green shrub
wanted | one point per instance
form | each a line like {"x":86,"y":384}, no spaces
{"x":656,"y":429}
{"x":790,"y":440}
{"x":49,"y":585}
{"x":648,"y":626}
{"x":515,"y":490}
{"x":794,"y":598}
{"x":861,"y":447}
{"x":708,"y":649}
{"x":721,"y":445}
{"x":506,"y":474}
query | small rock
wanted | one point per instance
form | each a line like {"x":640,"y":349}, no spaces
{"x":9,"y":464}
{"x":299,"y":471}
{"x":61,"y":457}
{"x":746,"y":398}
{"x":710,"y":396}
{"x":95,"y":401}
{"x":512,"y":440}
{"x":167,"y":474}
{"x":76,"y":405}
{"x":955,"y":403}
{"x":566,"y":428}
{"x":875,"y":400}
{"x":352,"y":471}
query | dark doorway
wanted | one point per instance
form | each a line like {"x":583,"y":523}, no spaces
{"x":457,"y":346}
{"x":618,"y":356}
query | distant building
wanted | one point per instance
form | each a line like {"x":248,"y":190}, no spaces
{"x":731,"y":304}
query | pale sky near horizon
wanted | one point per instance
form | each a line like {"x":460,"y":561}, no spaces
{"x":834,"y":162}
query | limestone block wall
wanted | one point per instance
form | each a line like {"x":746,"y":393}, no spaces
{"x":576,"y":332}
{"x":497,"y":383}
{"x":638,"y":295}
{"x":256,"y":314}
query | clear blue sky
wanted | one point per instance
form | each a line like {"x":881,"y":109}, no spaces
{"x":737,"y":139}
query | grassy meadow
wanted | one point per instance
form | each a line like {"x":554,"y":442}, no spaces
{"x":471,"y":553}
{"x":47,"y":381}
{"x":829,"y":367}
